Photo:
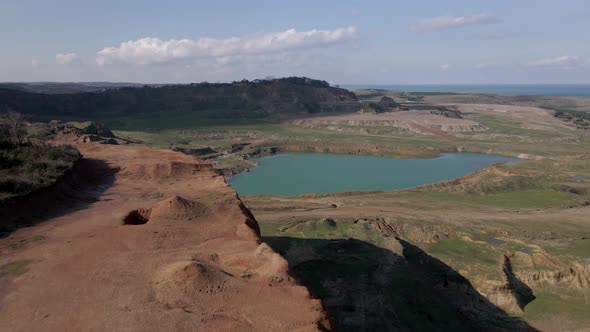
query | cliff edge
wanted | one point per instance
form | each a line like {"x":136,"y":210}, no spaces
{"x":160,"y":243}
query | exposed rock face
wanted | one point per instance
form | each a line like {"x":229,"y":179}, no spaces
{"x":522,"y":293}
{"x":82,"y":128}
{"x":85,"y":132}
{"x":575,"y":276}
{"x":536,"y":271}
{"x":500,"y":294}
{"x":162,"y":244}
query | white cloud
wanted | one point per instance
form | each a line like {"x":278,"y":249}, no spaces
{"x":445,"y":67}
{"x":154,"y":50}
{"x":65,"y":59}
{"x":448,"y":22}
{"x":561,"y":61}
{"x":34,"y":63}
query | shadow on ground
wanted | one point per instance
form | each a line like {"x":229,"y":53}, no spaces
{"x":367,"y":288}
{"x":80,"y":187}
{"x":522,"y":292}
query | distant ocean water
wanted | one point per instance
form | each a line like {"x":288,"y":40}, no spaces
{"x":574,"y":90}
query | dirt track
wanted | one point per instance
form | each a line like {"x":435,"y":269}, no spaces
{"x":191,"y":262}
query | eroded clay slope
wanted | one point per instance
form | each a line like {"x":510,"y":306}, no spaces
{"x":163,"y":245}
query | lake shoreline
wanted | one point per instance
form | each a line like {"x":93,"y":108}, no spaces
{"x":368,"y":173}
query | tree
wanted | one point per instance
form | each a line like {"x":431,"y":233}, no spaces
{"x":13,"y":127}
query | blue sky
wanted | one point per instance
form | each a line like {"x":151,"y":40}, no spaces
{"x":379,"y":42}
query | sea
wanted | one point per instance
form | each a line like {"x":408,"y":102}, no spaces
{"x":570,"y":90}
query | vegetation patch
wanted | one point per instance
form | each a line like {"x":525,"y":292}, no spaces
{"x":520,"y":199}
{"x":580,"y":118}
{"x":17,"y":244}
{"x":27,"y":167}
{"x":17,"y":267}
{"x":571,"y":308}
{"x":464,"y":251}
{"x":36,"y":238}
{"x":26,"y":161}
{"x":579,"y":248}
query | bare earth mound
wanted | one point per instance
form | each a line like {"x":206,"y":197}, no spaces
{"x":166,"y":246}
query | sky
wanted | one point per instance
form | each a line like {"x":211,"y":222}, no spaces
{"x":343,"y":42}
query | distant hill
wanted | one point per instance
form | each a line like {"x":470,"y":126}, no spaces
{"x":244,"y":99}
{"x":66,"y":88}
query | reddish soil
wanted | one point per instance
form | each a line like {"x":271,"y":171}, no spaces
{"x":163,"y":245}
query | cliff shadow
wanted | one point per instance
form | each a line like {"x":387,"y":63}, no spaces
{"x":368,"y":288}
{"x":78,"y":188}
{"x":522,"y":292}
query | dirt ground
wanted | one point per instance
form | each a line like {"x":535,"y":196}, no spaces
{"x":161,"y":243}
{"x":417,"y":121}
{"x":530,"y":117}
{"x":425,"y":123}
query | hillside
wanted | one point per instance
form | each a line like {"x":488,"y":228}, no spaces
{"x":242,"y":99}
{"x":64,"y":88}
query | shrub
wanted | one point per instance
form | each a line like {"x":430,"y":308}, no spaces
{"x":27,"y":167}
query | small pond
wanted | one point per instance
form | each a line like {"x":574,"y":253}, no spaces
{"x":301,"y":173}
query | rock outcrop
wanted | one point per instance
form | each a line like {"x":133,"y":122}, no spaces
{"x":575,"y":276}
{"x":536,"y":271}
{"x":85,"y":132}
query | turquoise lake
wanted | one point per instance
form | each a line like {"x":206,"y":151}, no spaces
{"x":301,"y":173}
